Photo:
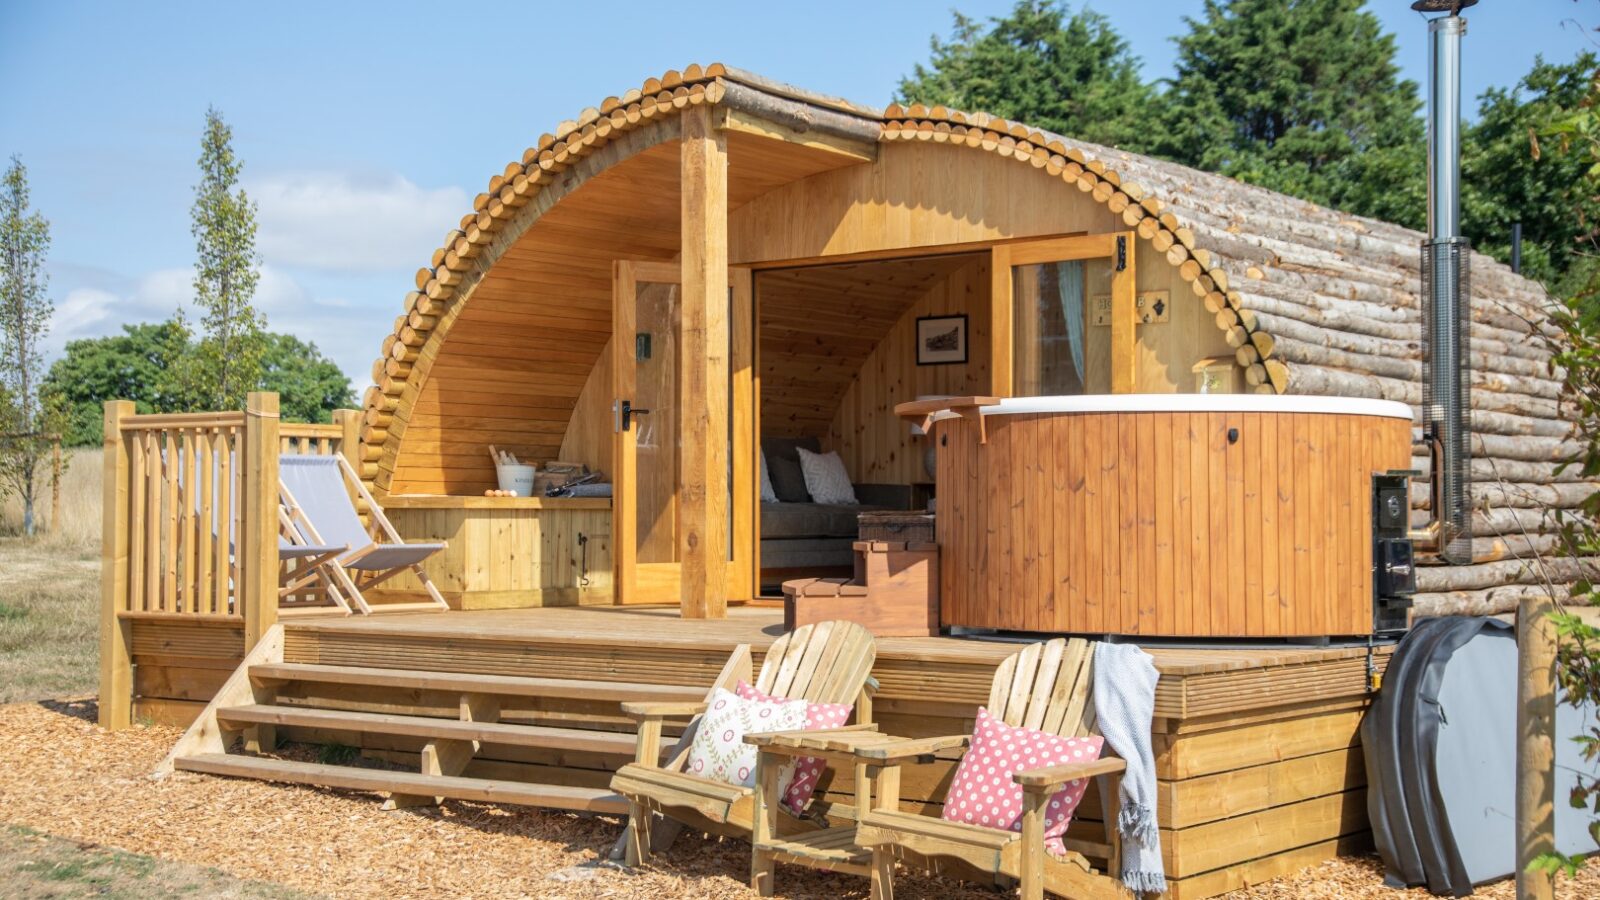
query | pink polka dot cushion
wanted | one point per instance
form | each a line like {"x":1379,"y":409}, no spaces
{"x":983,"y":792}
{"x":807,"y":769}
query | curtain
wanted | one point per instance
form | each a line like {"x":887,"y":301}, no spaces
{"x":1069,"y":293}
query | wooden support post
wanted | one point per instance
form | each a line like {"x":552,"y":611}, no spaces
{"x":1536,"y":721}
{"x":442,"y":756}
{"x":1001,"y":325}
{"x":349,"y":422}
{"x":1124,"y":317}
{"x":886,"y":795}
{"x":258,"y":550}
{"x":703,"y":373}
{"x":637,"y":843}
{"x":1034,"y":804}
{"x":116,"y":637}
{"x":764,"y":822}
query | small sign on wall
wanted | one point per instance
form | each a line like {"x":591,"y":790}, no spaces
{"x":1151,"y":308}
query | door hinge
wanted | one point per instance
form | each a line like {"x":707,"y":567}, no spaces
{"x":1122,"y":253}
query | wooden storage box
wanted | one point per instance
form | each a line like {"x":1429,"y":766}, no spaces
{"x":902,"y":527}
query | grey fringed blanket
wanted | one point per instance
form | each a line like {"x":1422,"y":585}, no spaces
{"x":1124,"y":704}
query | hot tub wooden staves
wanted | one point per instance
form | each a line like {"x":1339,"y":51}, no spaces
{"x":1202,"y":517}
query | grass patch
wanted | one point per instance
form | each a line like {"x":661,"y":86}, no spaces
{"x":50,"y":592}
{"x":49,"y":619}
{"x":34,"y":864}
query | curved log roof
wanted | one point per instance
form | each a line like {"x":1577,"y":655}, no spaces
{"x":1313,"y":300}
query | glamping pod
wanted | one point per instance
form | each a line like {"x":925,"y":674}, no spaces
{"x":697,"y":286}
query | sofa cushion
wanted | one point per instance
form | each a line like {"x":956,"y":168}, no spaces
{"x":783,"y":465}
{"x":826,"y":479}
{"x":808,"y":520}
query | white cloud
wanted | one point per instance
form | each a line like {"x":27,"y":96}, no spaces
{"x":341,"y":329}
{"x":101,"y":309}
{"x":342,"y":222}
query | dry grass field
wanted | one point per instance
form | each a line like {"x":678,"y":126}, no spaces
{"x":49,"y":590}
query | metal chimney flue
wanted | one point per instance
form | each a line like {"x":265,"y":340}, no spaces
{"x":1446,"y":296}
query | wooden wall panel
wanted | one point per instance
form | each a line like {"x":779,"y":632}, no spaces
{"x":1165,"y":528}
{"x":877,"y":446}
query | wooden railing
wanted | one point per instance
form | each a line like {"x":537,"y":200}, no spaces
{"x":191,"y":525}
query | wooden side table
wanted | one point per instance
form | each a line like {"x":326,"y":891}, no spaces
{"x":832,"y":848}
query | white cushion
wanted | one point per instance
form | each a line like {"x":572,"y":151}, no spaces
{"x":719,"y":751}
{"x":768,"y":494}
{"x":826,"y":480}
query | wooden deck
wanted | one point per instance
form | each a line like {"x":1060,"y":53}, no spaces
{"x":1257,"y":748}
{"x":1196,"y":682}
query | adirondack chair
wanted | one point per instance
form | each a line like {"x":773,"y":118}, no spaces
{"x":1045,"y":687}
{"x":828,"y":662}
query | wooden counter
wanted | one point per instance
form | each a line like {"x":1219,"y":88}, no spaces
{"x":507,"y":552}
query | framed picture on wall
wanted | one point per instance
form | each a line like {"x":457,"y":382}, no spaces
{"x":941,"y":340}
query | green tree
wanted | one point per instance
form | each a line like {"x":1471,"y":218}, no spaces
{"x":135,"y":365}
{"x":227,"y":360}
{"x":1070,"y":73}
{"x":27,"y":413}
{"x":309,"y":385}
{"x":1504,"y":183}
{"x":1301,"y":96}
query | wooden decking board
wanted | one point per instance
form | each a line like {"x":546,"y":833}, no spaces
{"x":345,"y":777}
{"x":474,"y":683}
{"x":425,"y":727}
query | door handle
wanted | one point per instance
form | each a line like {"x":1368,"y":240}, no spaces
{"x":628,"y":412}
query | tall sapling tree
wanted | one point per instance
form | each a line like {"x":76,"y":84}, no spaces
{"x":27,"y":415}
{"x":228,"y":359}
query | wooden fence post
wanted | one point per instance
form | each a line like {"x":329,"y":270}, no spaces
{"x":349,"y":422}
{"x":1536,"y":723}
{"x":258,"y":555}
{"x":55,"y":484}
{"x":116,"y":634}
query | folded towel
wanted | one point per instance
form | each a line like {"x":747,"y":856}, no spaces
{"x":1124,"y":704}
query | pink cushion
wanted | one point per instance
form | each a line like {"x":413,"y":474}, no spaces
{"x":983,"y":792}
{"x":807,"y":769}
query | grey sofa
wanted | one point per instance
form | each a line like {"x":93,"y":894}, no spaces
{"x":799,"y":535}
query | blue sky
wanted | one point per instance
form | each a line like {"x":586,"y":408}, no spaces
{"x":366,"y":127}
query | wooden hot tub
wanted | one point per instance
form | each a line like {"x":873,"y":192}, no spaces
{"x":1163,"y":515}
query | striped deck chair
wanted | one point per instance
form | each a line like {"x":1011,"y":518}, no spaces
{"x":315,"y":491}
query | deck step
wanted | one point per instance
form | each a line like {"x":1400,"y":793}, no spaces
{"x":378,"y":609}
{"x":549,"y":796}
{"x":547,"y":737}
{"x":460,"y":682}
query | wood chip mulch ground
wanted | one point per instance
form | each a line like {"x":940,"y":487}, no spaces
{"x":65,"y":776}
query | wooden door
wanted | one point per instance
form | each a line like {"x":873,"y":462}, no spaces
{"x":1063,"y":316}
{"x":646,"y":407}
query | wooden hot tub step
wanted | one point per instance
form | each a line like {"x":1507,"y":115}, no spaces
{"x":549,"y":796}
{"x":542,"y":736}
{"x":465,"y":683}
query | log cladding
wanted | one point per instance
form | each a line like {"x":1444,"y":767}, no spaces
{"x":1158,"y":516}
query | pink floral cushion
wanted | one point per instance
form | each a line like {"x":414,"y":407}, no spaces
{"x":807,"y":769}
{"x":983,"y":792}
